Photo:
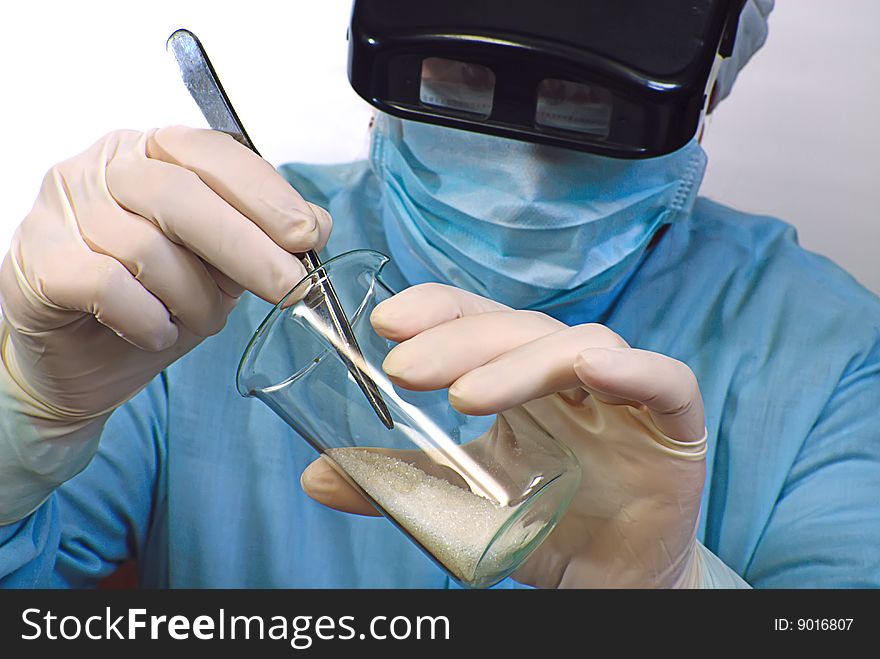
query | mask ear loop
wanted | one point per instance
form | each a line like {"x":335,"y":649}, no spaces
{"x":705,"y":115}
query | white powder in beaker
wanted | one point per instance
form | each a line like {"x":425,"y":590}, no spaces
{"x":452,"y":523}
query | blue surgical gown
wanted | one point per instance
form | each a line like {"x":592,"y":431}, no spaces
{"x":201,"y":486}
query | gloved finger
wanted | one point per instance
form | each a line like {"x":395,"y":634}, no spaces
{"x":189,"y":213}
{"x":421,"y":307}
{"x":244,"y":180}
{"x":326,"y":486}
{"x":438,"y":356}
{"x":533,"y":370}
{"x":325,"y":226}
{"x":665,"y":386}
{"x":230,"y":288}
{"x":170,"y":272}
{"x":82,"y":280}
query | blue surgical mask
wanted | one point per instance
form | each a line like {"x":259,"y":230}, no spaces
{"x":524,"y":224}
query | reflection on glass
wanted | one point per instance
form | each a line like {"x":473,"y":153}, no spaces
{"x":457,"y":86}
{"x":574,"y":106}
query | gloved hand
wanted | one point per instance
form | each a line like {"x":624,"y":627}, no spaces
{"x":135,"y":251}
{"x":634,"y":419}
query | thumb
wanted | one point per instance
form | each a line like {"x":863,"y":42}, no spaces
{"x":323,"y":483}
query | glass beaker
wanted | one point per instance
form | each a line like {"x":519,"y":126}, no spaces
{"x":477,"y":494}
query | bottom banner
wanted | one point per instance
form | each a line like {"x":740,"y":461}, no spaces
{"x":273,"y":623}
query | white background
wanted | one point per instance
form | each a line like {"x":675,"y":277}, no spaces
{"x":798,"y":139}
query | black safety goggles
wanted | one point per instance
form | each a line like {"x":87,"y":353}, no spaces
{"x":622,"y":78}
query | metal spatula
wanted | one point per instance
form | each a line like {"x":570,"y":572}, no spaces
{"x":204,"y":86}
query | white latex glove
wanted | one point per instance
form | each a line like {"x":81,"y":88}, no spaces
{"x":134,"y":252}
{"x":634,"y":419}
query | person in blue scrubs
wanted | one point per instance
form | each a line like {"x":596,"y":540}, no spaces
{"x":131,"y":289}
